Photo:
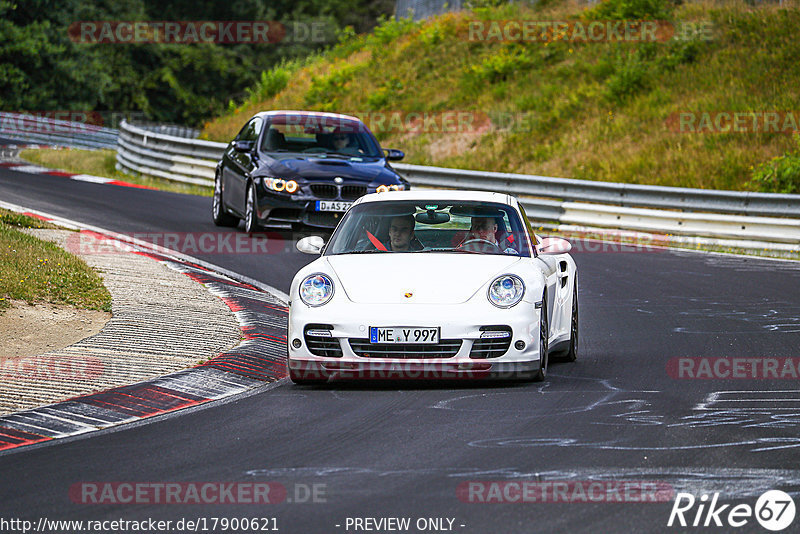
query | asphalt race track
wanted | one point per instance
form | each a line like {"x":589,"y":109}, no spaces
{"x":620,"y":413}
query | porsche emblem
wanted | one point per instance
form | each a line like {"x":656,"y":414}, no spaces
{"x":409,"y":295}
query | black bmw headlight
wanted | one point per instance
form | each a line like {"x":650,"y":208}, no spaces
{"x":280,"y":185}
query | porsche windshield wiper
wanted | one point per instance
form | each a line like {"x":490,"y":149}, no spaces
{"x":460,"y":251}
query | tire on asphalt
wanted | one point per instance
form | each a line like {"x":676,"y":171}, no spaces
{"x":218,"y":213}
{"x":544,"y":341}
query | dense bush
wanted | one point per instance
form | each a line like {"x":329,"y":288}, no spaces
{"x":41,"y":69}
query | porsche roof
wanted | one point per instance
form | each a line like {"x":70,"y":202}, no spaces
{"x":439,"y":194}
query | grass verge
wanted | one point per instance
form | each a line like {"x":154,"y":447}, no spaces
{"x":102,"y":163}
{"x":35,"y":271}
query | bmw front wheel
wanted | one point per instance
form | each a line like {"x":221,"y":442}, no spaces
{"x":218,"y":213}
{"x":250,"y":220}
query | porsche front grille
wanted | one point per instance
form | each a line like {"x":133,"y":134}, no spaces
{"x":493,"y":343}
{"x":446,"y":348}
{"x":320,"y":341}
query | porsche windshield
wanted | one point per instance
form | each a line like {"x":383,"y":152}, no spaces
{"x":435,"y":226}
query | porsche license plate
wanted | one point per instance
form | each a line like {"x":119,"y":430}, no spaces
{"x":403,"y":334}
{"x":333,"y":205}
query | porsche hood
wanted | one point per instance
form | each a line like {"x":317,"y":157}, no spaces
{"x":418,"y":278}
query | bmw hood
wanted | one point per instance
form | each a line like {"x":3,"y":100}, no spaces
{"x":429,"y":278}
{"x":315,"y":168}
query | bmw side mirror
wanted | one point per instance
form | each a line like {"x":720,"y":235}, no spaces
{"x":243,"y":146}
{"x":311,"y":245}
{"x":393,"y":154}
{"x":553,"y":246}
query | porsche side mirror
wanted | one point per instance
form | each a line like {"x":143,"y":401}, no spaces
{"x":393,"y":154}
{"x":311,"y":245}
{"x":554,"y":245}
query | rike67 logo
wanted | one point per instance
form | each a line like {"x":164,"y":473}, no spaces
{"x":774,"y":510}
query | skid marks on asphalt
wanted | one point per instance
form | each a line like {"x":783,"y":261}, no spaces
{"x":615,"y":408}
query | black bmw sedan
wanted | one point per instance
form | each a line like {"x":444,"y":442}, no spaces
{"x":302,"y":168}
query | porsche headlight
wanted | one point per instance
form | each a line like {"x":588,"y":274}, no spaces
{"x":506,"y":291}
{"x":316,"y":289}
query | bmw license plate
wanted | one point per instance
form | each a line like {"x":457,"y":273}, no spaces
{"x":403,"y":334}
{"x":333,"y":205}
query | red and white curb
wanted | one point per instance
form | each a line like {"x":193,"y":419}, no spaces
{"x":259,"y":359}
{"x":36,"y":169}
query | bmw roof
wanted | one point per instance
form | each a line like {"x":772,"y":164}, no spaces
{"x":307,"y":114}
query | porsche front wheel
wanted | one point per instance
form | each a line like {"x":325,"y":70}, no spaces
{"x":544,"y":342}
{"x":572,"y":354}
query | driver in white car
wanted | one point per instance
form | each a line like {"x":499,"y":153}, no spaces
{"x":401,"y":235}
{"x":483,"y":228}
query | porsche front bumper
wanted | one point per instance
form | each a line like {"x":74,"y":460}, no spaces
{"x":339,"y":345}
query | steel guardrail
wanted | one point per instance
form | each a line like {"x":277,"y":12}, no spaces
{"x":144,"y":149}
{"x":30,"y":128}
{"x":618,"y":194}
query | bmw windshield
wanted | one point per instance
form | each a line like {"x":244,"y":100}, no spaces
{"x":319,"y":136}
{"x":435,"y":226}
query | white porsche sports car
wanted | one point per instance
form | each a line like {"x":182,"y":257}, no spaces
{"x":432,"y":285}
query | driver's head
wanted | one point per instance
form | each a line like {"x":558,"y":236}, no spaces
{"x":483,"y":228}
{"x":340,"y":138}
{"x":401,"y":232}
